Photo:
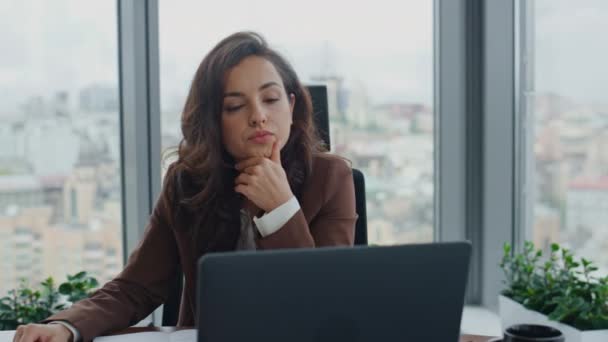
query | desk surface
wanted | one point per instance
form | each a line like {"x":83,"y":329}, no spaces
{"x":463,"y":338}
{"x":7,"y":336}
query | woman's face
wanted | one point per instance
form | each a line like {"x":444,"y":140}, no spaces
{"x":256,"y":111}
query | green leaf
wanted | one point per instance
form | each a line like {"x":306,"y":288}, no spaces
{"x":554,"y":247}
{"x":80,"y":275}
{"x":93,"y":283}
{"x":65,"y":288}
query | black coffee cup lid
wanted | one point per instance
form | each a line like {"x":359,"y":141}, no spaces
{"x":533,"y":332}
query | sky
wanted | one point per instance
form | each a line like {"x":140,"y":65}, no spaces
{"x":387,"y":48}
{"x":571,"y":50}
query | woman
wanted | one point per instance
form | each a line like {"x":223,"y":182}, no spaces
{"x":250,"y":174}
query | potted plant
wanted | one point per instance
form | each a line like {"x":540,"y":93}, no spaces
{"x":24,"y":305}
{"x":557,"y":291}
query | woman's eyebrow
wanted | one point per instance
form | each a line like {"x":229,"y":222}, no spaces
{"x":262,"y":87}
{"x":269,"y":84}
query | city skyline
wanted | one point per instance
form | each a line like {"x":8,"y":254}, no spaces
{"x":551,"y":109}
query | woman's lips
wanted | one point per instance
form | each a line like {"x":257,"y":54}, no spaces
{"x":262,"y":137}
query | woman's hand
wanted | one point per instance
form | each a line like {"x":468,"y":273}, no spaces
{"x":42,"y":332}
{"x":263,"y":180}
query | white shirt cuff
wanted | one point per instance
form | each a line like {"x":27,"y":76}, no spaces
{"x":70,"y":327}
{"x":274,"y":220}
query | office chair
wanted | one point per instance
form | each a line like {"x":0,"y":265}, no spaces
{"x":321,"y":118}
{"x":360,"y":208}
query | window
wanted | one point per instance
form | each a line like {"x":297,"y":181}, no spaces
{"x":59,"y":139}
{"x":377,"y":62}
{"x":564,"y":118}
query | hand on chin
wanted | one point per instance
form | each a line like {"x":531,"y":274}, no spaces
{"x":261,"y":151}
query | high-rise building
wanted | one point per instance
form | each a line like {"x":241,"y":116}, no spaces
{"x":19,"y":191}
{"x":587,"y":205}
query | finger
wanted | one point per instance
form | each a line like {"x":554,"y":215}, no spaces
{"x":30,"y":335}
{"x":58,"y":339}
{"x":276,"y":152}
{"x":249,"y":162}
{"x":242,"y":189}
{"x":18,"y":334}
{"x":244,"y":178}
{"x":253,"y":170}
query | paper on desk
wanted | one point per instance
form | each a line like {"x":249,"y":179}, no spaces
{"x":7,"y":335}
{"x":187,"y":335}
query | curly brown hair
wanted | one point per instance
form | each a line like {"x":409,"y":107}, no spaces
{"x":200,"y":183}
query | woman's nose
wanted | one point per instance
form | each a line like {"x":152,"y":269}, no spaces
{"x":258,"y":116}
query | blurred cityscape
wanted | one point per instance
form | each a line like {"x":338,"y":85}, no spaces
{"x":60,"y":193}
{"x":569,"y":180}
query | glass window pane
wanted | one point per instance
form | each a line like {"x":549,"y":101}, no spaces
{"x":60,"y":189}
{"x":567,"y":139}
{"x":377,"y":63}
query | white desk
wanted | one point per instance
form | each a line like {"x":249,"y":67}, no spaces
{"x":7,"y":335}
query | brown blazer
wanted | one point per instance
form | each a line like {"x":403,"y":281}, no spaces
{"x":326,"y":218}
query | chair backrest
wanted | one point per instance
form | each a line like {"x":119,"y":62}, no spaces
{"x":361,"y":208}
{"x":318,"y":95}
{"x":321,"y":118}
{"x":174,"y":299}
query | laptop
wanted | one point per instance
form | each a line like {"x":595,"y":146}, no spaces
{"x":361,"y":293}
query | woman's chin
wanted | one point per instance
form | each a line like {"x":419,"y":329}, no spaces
{"x":260,"y":151}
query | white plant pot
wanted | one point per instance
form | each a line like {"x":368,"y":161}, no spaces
{"x":511,"y":312}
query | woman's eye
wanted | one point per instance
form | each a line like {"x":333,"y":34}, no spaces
{"x":233,"y":108}
{"x":271,"y":100}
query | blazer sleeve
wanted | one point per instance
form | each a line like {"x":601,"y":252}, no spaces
{"x":334,"y":225}
{"x":139,"y":289}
